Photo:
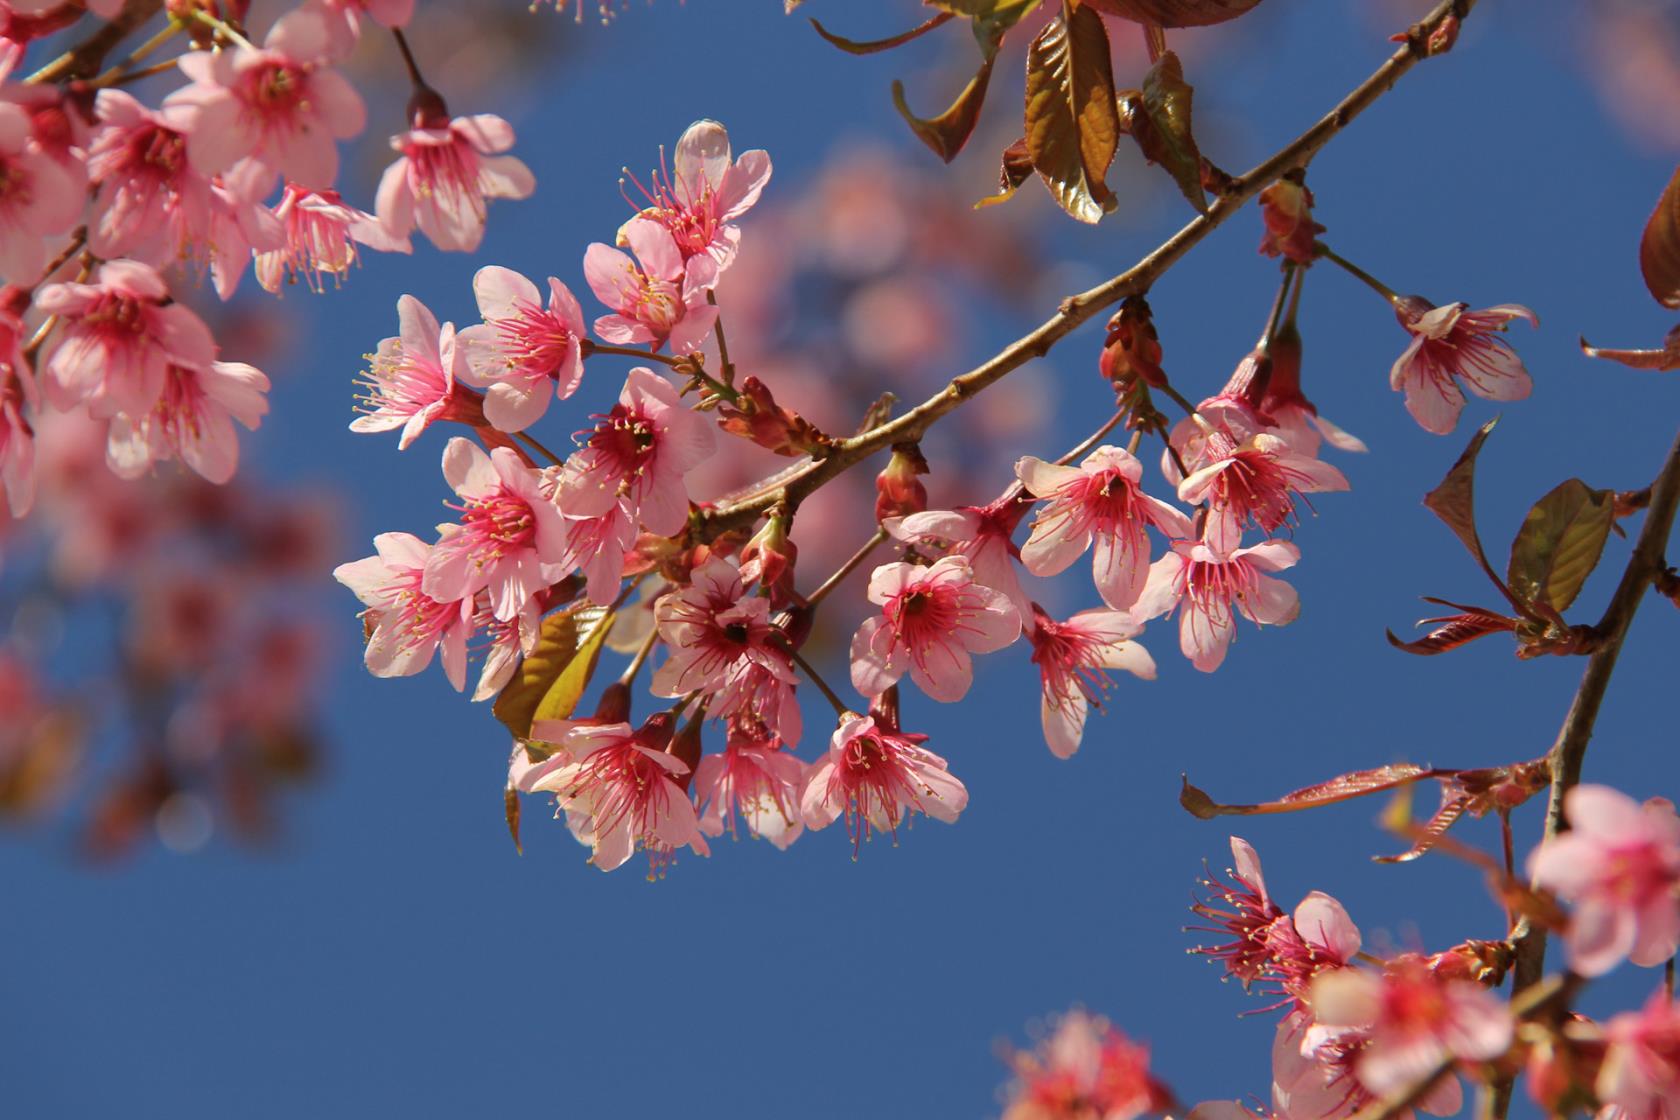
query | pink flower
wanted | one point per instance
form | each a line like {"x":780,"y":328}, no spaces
{"x":522,"y":355}
{"x":260,"y":114}
{"x":877,"y":778}
{"x":1313,"y":1074}
{"x":344,"y":19}
{"x":1619,"y":865}
{"x":411,"y":378}
{"x":506,"y":640}
{"x":406,"y":625}
{"x":597,"y":546}
{"x":117,"y":338}
{"x":1296,"y":418}
{"x":1211,"y":590}
{"x":320,"y":233}
{"x":1098,"y":501}
{"x":618,"y":793}
{"x":1071,"y":657}
{"x":698,"y":204}
{"x":980,"y":534}
{"x":1412,"y":1021}
{"x":446,"y":175}
{"x":151,"y":202}
{"x":660,"y":300}
{"x":716,"y":634}
{"x":1086,"y":1070}
{"x":192,"y":421}
{"x":756,"y":779}
{"x":38,"y":198}
{"x":509,"y":537}
{"x":931,"y":620}
{"x":1248,"y":476}
{"x":1451,"y":343}
{"x":642,"y":449}
{"x":1641,"y":1070}
{"x":17,"y":448}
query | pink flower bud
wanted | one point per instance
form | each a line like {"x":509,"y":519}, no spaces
{"x":899,"y":492}
{"x":1132,"y":351}
{"x":1286,"y":208}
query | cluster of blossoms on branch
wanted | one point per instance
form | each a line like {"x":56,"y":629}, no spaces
{"x":113,"y":210}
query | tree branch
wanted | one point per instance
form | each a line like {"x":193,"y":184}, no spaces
{"x":1078,"y":309}
{"x":85,"y":59}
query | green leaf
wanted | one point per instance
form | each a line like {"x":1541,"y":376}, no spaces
{"x":872,"y":46}
{"x":568,"y":646}
{"x":1073,"y":122}
{"x":1454,"y":501}
{"x":1161,"y":125}
{"x":1560,"y":544}
{"x":949,"y":131}
{"x":1659,"y":247}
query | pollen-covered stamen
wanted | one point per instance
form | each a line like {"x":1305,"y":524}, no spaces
{"x":875,"y":783}
{"x":624,"y":788}
{"x":414,"y":619}
{"x":451,"y":170}
{"x":1242,"y":910}
{"x":688,"y":211}
{"x":499,"y":523}
{"x":399,"y":382}
{"x":532,"y":341}
{"x":1213,"y":586}
{"x":1072,"y":663}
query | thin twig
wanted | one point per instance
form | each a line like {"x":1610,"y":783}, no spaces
{"x":84,"y":59}
{"x":840,"y":708}
{"x":846,"y":569}
{"x":531,"y":442}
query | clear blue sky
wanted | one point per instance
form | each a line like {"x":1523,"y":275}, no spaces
{"x":393,"y":955}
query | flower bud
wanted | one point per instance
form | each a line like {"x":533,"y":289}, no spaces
{"x":685,"y":748}
{"x":1132,"y":351}
{"x":756,"y":416}
{"x":898,"y":491}
{"x":1249,"y":380}
{"x":655,"y":731}
{"x":614,"y":705}
{"x":769,"y":558}
{"x":1286,"y":208}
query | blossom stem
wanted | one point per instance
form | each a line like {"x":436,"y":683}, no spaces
{"x":728,"y":369}
{"x":121,"y":77}
{"x":222,"y":27}
{"x":1329,"y":254}
{"x":408,"y":59}
{"x":1273,"y":320}
{"x":628,"y":677}
{"x":1178,"y":398}
{"x":78,"y":238}
{"x":86,"y":57}
{"x":1295,"y":296}
{"x":840,"y":708}
{"x":122,"y":71}
{"x":632,"y":352}
{"x":1085,"y":445}
{"x":846,"y":569}
{"x":532,"y":442}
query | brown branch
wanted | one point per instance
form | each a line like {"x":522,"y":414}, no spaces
{"x":85,"y":58}
{"x":1078,"y":309}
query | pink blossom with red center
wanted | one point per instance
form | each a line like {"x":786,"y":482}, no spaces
{"x":344,"y":19}
{"x":445,"y":178}
{"x":1619,"y":867}
{"x":1086,"y":1070}
{"x":117,"y":338}
{"x":411,"y":377}
{"x":756,"y":779}
{"x":618,"y":794}
{"x":262,"y":114}
{"x":522,"y":355}
{"x":1412,"y":1021}
{"x":657,"y":298}
{"x":876,"y":778}
{"x":1210,"y":590}
{"x":407,"y":626}
{"x":1252,"y":478}
{"x":706,"y":190}
{"x":597,"y":546}
{"x":1295,"y":417}
{"x":510,"y":538}
{"x":1072,"y":657}
{"x":192,"y":421}
{"x":505,"y":641}
{"x":980,"y":534}
{"x":17,"y":448}
{"x":932,"y":619}
{"x":715,"y":632}
{"x":1451,"y":347}
{"x":1313,"y":1075}
{"x":38,"y":198}
{"x":1641,"y":1070}
{"x":641,"y":449}
{"x":320,"y":234}
{"x":1099,"y":503}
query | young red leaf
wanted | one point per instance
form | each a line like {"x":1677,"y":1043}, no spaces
{"x":510,"y":809}
{"x":1452,"y":631}
{"x":1560,"y":544}
{"x":1160,"y":122}
{"x":949,"y":131}
{"x":1175,"y":13}
{"x":1430,"y":834}
{"x":1341,"y":788}
{"x":1072,"y":122}
{"x":1659,"y":247}
{"x":1668,"y":358}
{"x":1454,"y":500}
{"x":1016,"y":166}
{"x":871,"y":46}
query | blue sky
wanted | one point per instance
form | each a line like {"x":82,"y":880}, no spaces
{"x":393,"y":955}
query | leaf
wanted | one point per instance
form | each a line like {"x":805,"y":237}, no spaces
{"x":1072,"y":121}
{"x":1560,"y":544}
{"x":1175,"y":13}
{"x":1016,"y":166}
{"x":1454,"y":500}
{"x":872,"y":46}
{"x":1341,"y":788}
{"x":1659,"y":247}
{"x":510,"y":808}
{"x":1455,"y":630}
{"x":949,"y":131}
{"x":1668,"y":358}
{"x":1161,"y":125}
{"x":1426,"y":837}
{"x":561,"y":645}
{"x":562,"y":697}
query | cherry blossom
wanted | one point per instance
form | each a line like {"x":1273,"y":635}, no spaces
{"x":658,"y":298}
{"x":1641,"y":1070}
{"x":344,"y":19}
{"x":1209,"y":590}
{"x":320,"y":233}
{"x":1313,"y":1075}
{"x":618,"y":791}
{"x":1619,"y":865}
{"x":754,"y":778}
{"x":642,"y":448}
{"x":407,"y":626}
{"x":411,"y":377}
{"x":980,"y":534}
{"x":509,"y":539}
{"x":1098,"y":502}
{"x":447,"y":173}
{"x":1086,"y":1070}
{"x":523,"y":355}
{"x":38,"y":198}
{"x":1071,"y":657}
{"x":505,"y":641}
{"x":117,"y":338}
{"x":1453,"y":346}
{"x":931,"y":620}
{"x":1251,"y":477}
{"x":1296,"y":418}
{"x":876,"y":778}
{"x":192,"y":421}
{"x":699,"y":202}
{"x":261,"y":114}
{"x":597,"y":546}
{"x":17,"y":449}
